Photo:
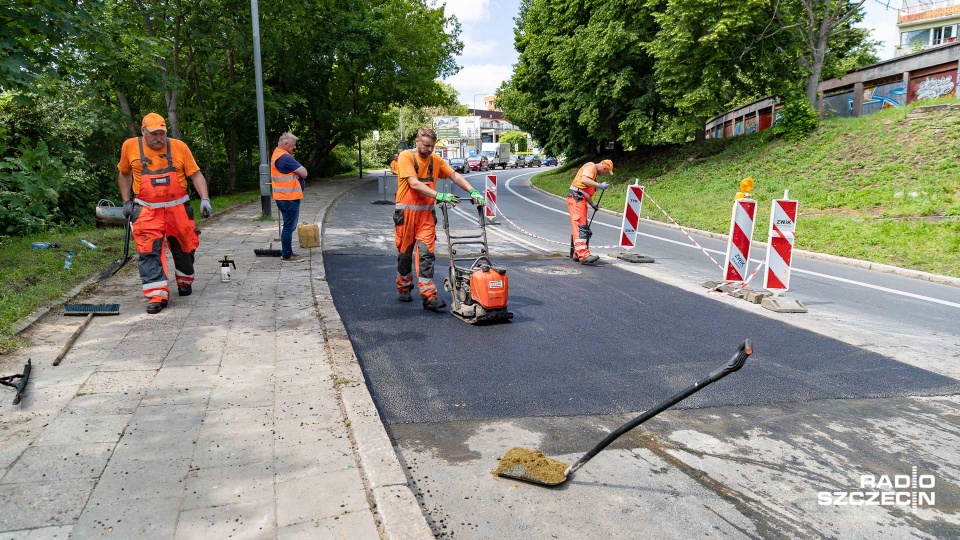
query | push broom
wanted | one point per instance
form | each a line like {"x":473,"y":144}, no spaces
{"x":270,"y":252}
{"x":84,"y":309}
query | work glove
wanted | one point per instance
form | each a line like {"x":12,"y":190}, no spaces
{"x":205,"y":209}
{"x":128,"y":208}
{"x":448,"y":198}
{"x":477,"y":198}
{"x":603,"y":185}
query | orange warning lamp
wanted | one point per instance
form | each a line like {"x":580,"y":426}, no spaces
{"x":746,"y":186}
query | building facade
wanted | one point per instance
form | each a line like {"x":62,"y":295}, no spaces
{"x":926,"y":23}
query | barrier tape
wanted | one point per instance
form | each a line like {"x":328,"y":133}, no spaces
{"x":647,"y":196}
{"x":744,"y":284}
{"x":530,"y":234}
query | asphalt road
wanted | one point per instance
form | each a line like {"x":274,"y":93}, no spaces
{"x":853,"y":387}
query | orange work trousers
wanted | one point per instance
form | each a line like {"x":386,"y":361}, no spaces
{"x":151,"y":226}
{"x":416,"y":231}
{"x":578,"y":227}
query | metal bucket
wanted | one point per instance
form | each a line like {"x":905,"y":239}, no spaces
{"x":109,"y":215}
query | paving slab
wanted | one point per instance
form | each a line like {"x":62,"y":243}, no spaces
{"x":223,"y":416}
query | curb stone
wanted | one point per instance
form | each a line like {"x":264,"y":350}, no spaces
{"x":399,"y":513}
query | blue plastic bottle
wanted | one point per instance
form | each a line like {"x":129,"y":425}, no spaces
{"x":41,"y":245}
{"x":69,"y":262}
{"x":88,"y":244}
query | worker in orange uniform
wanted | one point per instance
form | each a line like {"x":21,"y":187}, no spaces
{"x":415,"y":218}
{"x":155,"y":169}
{"x":579,"y":198}
{"x":394,"y":164}
{"x":288,"y":178}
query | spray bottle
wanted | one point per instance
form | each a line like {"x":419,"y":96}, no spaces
{"x":225,"y":272}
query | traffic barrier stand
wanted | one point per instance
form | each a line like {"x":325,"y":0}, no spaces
{"x":739,"y":240}
{"x":490,"y":193}
{"x":628,"y":228}
{"x":783,"y":225}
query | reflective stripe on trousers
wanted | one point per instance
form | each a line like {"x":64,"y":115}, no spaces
{"x":417,"y":232}
{"x":578,"y":226}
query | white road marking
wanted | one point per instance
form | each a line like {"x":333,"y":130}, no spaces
{"x":795,"y":269}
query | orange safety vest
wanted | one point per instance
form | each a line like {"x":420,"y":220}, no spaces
{"x":159,"y":188}
{"x":286,"y":187}
{"x":578,"y":186}
{"x":410,"y":199}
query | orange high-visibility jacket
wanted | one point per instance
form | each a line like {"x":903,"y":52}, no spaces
{"x":286,"y":187}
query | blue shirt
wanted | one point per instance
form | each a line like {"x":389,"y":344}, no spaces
{"x":286,"y":164}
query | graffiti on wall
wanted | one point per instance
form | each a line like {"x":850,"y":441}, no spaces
{"x":883,"y":96}
{"x":935,"y":87}
{"x":738,"y":128}
{"x":750,"y":125}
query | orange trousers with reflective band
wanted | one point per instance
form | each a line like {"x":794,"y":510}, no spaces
{"x":152,"y":227}
{"x":578,"y":226}
{"x":416,"y":238}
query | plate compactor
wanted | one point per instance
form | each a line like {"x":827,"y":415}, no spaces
{"x":480,"y":290}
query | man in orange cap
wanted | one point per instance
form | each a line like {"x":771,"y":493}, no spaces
{"x":415,"y":219}
{"x":579,"y":198}
{"x":155,"y":169}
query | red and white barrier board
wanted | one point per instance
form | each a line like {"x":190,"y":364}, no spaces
{"x":631,"y":216}
{"x":783,"y":224}
{"x":741,"y":235}
{"x":490,"y":193}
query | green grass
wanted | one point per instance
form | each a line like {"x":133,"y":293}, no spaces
{"x":31,"y":278}
{"x":880,"y":187}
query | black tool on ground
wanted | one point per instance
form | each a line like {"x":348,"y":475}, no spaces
{"x":552,"y":472}
{"x":84,"y":309}
{"x":589,"y":223}
{"x":268,"y":252}
{"x":18,"y":386}
{"x":116,"y":265}
{"x":480,"y":290}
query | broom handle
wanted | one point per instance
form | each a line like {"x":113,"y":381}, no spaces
{"x":76,"y":334}
{"x":736,"y":362}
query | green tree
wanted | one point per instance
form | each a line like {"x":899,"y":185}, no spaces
{"x":517,"y":140}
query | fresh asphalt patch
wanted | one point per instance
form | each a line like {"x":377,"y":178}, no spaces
{"x":588,"y":341}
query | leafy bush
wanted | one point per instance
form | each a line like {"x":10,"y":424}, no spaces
{"x":797,"y":118}
{"x":30,"y":184}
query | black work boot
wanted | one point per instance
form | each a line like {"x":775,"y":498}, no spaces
{"x":589,"y":259}
{"x":434,"y":303}
{"x":155,"y":307}
{"x":404,"y":296}
{"x":185,"y":291}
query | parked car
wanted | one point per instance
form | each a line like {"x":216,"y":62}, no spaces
{"x":480,"y":163}
{"x":513,"y":161}
{"x":459,"y":164}
{"x":533,"y":161}
{"x":550,"y":161}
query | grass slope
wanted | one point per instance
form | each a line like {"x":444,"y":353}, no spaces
{"x":881,"y":187}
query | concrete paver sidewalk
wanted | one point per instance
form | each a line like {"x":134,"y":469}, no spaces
{"x":239,"y":411}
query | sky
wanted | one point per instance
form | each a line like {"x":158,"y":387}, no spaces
{"x":488,"y":54}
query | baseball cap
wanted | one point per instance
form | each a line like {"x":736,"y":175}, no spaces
{"x":153,"y":122}
{"x":608,"y":164}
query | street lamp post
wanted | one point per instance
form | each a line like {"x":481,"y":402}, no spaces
{"x":265,"y":204}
